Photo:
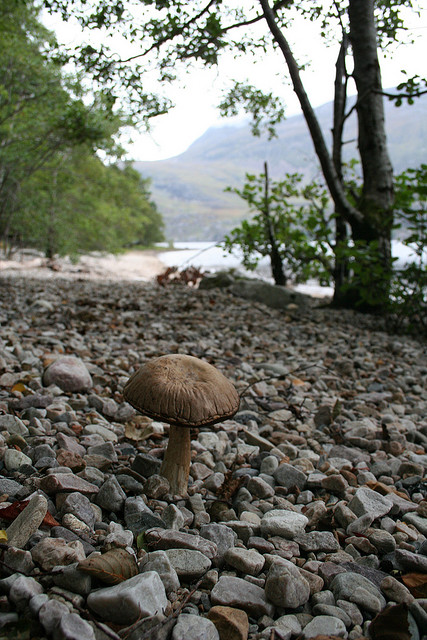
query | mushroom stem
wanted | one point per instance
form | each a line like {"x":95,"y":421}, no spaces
{"x":177,"y":460}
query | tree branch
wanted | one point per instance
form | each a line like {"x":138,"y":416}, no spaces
{"x":328,"y":169}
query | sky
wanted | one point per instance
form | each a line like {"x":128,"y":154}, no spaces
{"x":197,"y":93}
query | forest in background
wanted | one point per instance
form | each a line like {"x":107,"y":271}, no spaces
{"x":62,"y":188}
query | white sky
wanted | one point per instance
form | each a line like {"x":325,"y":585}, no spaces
{"x":197,"y":93}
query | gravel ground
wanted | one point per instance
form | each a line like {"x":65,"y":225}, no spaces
{"x":305,"y":515}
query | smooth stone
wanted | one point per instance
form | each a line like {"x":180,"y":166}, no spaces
{"x":274,"y":296}
{"x":17,"y":560}
{"x":246,"y":561}
{"x":331,"y":610}
{"x":66,"y":482}
{"x":188,"y":563}
{"x":111,"y":496}
{"x":139,"y":597}
{"x":325,"y":626}
{"x":159,"y":561}
{"x":51,"y":552}
{"x":369,"y":502}
{"x":317,"y":541}
{"x":11,"y":488}
{"x":69,"y":374}
{"x":192,"y":627}
{"x":13,"y":424}
{"x":14,"y":459}
{"x":285,"y":587}
{"x":98,"y":429}
{"x":280,"y":522}
{"x":231,"y":623}
{"x":289,"y":476}
{"x":344,"y":585}
{"x":27,"y":522}
{"x":80,"y":506}
{"x":260,"y":488}
{"x":51,"y":612}
{"x":72,"y":579}
{"x":72,"y":627}
{"x":22,"y":590}
{"x":146,"y":465}
{"x":239,"y":593}
{"x":419,"y":522}
{"x":170,"y":539}
{"x":172,"y":517}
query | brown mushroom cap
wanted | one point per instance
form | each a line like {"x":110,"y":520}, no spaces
{"x":182,"y":390}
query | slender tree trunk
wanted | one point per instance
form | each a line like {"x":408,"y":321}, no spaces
{"x":376,"y":204}
{"x":370,"y":223}
{"x":276,"y":261}
{"x":341,"y":267}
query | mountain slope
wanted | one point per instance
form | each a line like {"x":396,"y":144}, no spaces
{"x":189,"y":188}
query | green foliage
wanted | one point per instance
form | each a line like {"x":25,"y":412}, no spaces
{"x":300,"y":223}
{"x":55,"y":193}
{"x":76,"y":204}
{"x":260,"y":105}
{"x":408,"y":301}
{"x":303,"y":230}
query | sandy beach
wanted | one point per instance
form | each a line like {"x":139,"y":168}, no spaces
{"x":132,"y":265}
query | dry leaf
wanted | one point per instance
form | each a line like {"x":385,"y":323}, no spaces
{"x":416,"y":583}
{"x":391,"y":624}
{"x":3,"y":535}
{"x":139,"y":429}
{"x":21,"y":387}
{"x":112,"y":567}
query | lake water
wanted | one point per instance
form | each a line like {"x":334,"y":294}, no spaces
{"x":208,"y":256}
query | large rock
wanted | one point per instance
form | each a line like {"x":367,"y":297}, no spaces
{"x":142,"y":596}
{"x":271,"y":295}
{"x":285,"y":587}
{"x":239,"y":593}
{"x":280,"y":522}
{"x":69,"y":374}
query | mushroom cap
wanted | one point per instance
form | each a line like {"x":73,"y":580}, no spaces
{"x":182,"y":390}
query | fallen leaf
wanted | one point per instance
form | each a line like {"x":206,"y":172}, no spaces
{"x":14,"y":509}
{"x":112,"y":567}
{"x":3,"y":535}
{"x":416,"y":583}
{"x":139,"y":429}
{"x":21,"y":387}
{"x":391,"y":624}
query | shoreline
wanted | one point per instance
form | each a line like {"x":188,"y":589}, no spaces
{"x":143,"y":265}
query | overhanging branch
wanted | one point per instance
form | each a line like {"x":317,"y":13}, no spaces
{"x":335,"y":187}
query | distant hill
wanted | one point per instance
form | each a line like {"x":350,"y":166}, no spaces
{"x":189,"y":188}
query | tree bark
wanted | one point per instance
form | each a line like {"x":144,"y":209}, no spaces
{"x":376,"y":204}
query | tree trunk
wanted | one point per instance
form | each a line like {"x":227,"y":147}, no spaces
{"x":276,"y":261}
{"x":376,"y":204}
{"x":371,"y":223}
{"x":341,"y":267}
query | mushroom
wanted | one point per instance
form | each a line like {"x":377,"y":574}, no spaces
{"x":185,"y":392}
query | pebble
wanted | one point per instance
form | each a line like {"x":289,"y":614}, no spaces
{"x":283,"y":523}
{"x":285,"y":587}
{"x":231,"y":623}
{"x":27,"y":522}
{"x":299,"y":516}
{"x":189,"y":564}
{"x":139,"y":597}
{"x":236,"y":592}
{"x":192,"y":627}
